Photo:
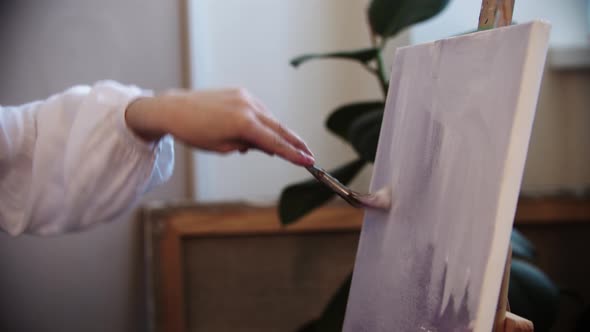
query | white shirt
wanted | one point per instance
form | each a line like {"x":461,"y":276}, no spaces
{"x":70,"y":161}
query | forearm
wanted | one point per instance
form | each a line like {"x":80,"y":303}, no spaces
{"x":146,"y":118}
{"x":80,"y":165}
{"x":17,"y":132}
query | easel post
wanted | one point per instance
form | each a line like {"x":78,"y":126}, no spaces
{"x":503,"y":298}
{"x":495,"y":14}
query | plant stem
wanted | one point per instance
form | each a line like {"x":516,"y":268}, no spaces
{"x":381,"y":73}
{"x":371,"y":70}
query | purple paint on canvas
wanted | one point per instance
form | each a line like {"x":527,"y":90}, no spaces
{"x":443,"y":149}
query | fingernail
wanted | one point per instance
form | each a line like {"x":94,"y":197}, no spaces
{"x":307,"y":159}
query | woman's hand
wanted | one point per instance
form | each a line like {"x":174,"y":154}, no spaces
{"x":221,"y":121}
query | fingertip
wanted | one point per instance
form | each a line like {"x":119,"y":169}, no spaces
{"x":301,"y":144}
{"x":308,"y":150}
{"x":305,"y":159}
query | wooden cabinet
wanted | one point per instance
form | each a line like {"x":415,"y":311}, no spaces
{"x":223,"y":267}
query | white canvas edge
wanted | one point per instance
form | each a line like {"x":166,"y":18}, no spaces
{"x":513,"y":172}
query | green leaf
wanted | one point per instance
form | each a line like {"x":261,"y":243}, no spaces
{"x":532,"y":295}
{"x":521,"y":247}
{"x":364,"y":134}
{"x":341,"y":119}
{"x":388,"y":17}
{"x":299,"y":199}
{"x":332,"y":319}
{"x":363,"y":56}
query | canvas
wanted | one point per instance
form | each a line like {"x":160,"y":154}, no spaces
{"x":452,"y":148}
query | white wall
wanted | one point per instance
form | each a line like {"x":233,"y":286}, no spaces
{"x":568,"y":19}
{"x":249,"y":44}
{"x":89,"y":281}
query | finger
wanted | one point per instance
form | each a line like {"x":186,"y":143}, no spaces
{"x":269,"y":141}
{"x":514,"y":323}
{"x":268,"y":118}
{"x":233,"y":146}
{"x":259,"y":105}
{"x":245,"y":147}
{"x":284,"y":132}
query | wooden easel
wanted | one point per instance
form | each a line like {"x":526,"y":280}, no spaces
{"x":503,"y":307}
{"x":505,"y":321}
{"x":494,"y":14}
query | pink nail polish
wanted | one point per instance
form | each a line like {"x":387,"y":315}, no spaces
{"x":307,"y":158}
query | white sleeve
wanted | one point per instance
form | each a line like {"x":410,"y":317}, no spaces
{"x":70,"y":161}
